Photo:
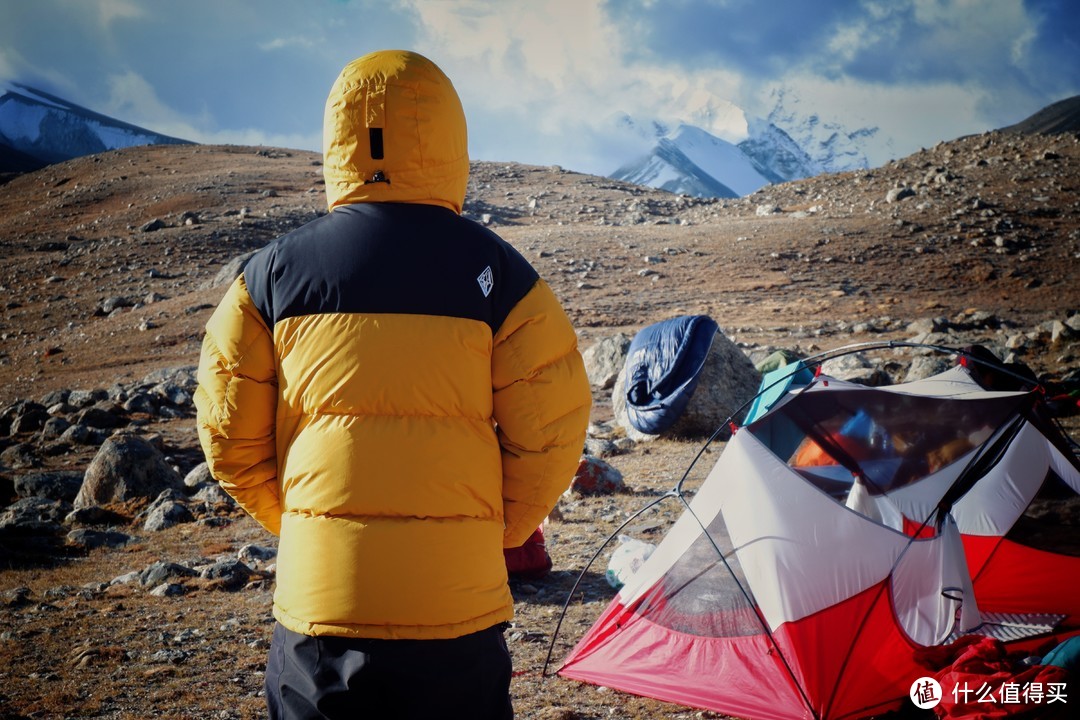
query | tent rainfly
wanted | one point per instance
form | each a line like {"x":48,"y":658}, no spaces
{"x":842,"y":529}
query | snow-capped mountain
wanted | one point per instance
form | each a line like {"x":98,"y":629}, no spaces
{"x":776,"y":154}
{"x":37,"y":129}
{"x":832,"y":146}
{"x":690,"y":161}
{"x":785,"y":146}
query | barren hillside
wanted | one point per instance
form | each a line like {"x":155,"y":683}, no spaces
{"x":111,"y":265}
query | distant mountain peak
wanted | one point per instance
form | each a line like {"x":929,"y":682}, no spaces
{"x":38,"y":129}
{"x":693,"y":161}
{"x":724,"y":146}
{"x":831,"y":146}
{"x":667,"y":167}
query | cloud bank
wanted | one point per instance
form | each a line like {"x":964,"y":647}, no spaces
{"x":546,"y":82}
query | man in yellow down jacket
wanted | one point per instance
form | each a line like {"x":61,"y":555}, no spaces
{"x":394,"y":392}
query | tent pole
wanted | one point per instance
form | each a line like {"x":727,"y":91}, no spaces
{"x":581,"y":575}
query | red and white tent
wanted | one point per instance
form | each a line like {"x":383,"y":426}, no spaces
{"x":839,"y":532}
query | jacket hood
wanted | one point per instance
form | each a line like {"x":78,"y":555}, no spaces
{"x":394,"y":131}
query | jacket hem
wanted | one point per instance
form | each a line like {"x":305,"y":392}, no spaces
{"x":394,"y":632}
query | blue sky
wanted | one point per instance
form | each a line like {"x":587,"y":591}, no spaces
{"x":541,"y":81}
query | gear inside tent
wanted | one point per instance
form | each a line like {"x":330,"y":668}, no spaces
{"x":843,"y":529}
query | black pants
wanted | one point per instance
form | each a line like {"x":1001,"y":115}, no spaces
{"x":337,"y":678}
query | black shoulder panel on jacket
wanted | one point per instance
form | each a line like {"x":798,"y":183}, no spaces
{"x":389,"y":258}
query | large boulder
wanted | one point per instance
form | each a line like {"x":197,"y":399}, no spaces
{"x":58,"y":485}
{"x":604,"y":360}
{"x":924,"y":366}
{"x":127,"y":466}
{"x":33,"y":516}
{"x":856,"y":368}
{"x":229,"y":271}
{"x":727,"y":381}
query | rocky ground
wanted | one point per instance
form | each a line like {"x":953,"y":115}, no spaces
{"x":112,"y":263}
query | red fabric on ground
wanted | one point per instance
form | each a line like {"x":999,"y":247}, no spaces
{"x":530,"y":561}
{"x":980,"y":680}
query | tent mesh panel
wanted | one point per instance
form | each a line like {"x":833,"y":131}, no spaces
{"x":701,"y":595}
{"x":891,"y":439}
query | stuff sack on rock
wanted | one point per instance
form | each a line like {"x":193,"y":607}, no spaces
{"x":662,"y":369}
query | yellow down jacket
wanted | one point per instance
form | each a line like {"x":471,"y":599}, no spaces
{"x":391,"y":388}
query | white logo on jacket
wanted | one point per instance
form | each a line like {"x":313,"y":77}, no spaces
{"x":486,"y":280}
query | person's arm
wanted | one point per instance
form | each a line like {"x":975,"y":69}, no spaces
{"x":542,"y":402}
{"x":236,"y":402}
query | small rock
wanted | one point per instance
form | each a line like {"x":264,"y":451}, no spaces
{"x":92,"y":539}
{"x":212,"y":494}
{"x":168,"y":590}
{"x":112,"y":304}
{"x":228,"y":574}
{"x":161,"y":571}
{"x":898,"y":194}
{"x":256,"y":553}
{"x":166,"y":513}
{"x":16,"y":597}
{"x":596,"y":477}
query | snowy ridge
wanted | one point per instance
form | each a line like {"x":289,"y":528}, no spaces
{"x":691,"y":161}
{"x":776,"y":155}
{"x":48,"y":129}
{"x":833,"y":147}
{"x":667,"y":167}
{"x":719,"y":159}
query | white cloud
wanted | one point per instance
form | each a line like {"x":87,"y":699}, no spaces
{"x":1021,"y":46}
{"x":536,"y":76}
{"x":849,"y":39}
{"x":287,"y":42}
{"x":535,"y":51}
{"x":134,"y":100}
{"x":7,"y":67}
{"x":981,"y":34}
{"x":909,"y":116}
{"x":15,"y":68}
{"x":132,"y":97}
{"x":541,"y":81}
{"x":561,"y":70}
{"x":255,"y":136}
{"x":111,"y":10}
{"x":704,"y":98}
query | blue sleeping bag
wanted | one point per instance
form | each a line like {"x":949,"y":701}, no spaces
{"x":662,"y":369}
